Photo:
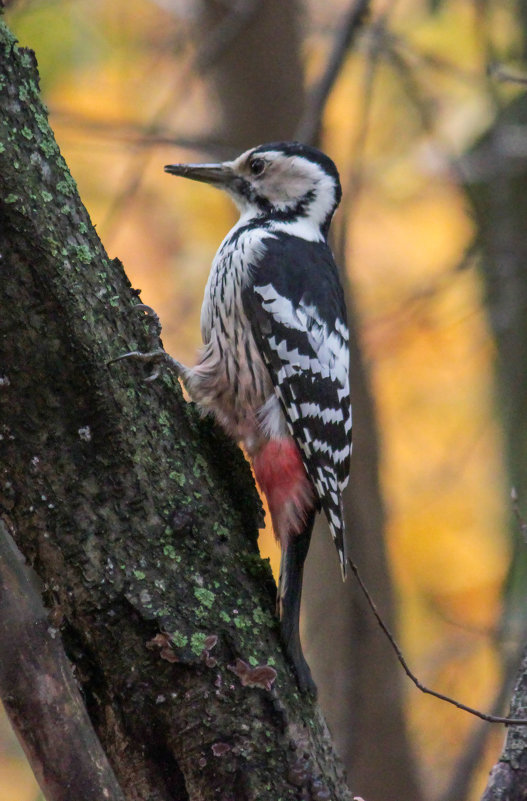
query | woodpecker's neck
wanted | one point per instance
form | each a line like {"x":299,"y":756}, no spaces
{"x":302,"y":227}
{"x":308,"y":218}
{"x":301,"y":208}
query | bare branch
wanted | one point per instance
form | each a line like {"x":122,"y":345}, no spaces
{"x":502,"y":74}
{"x":413,"y":677}
{"x":137,"y":134}
{"x":40,"y":695}
{"x":309,"y":127}
{"x":463,"y":773}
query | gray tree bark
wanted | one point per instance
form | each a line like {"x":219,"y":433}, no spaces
{"x":138,"y":516}
{"x":40,"y":694}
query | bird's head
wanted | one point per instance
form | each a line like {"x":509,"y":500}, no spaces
{"x":283,"y":181}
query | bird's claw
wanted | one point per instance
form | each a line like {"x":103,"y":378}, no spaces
{"x":139,"y":356}
{"x":151,"y":317}
{"x":157,"y":355}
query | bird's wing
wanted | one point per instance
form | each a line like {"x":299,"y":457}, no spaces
{"x":296,"y":309}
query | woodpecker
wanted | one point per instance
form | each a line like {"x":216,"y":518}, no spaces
{"x":274,"y":366}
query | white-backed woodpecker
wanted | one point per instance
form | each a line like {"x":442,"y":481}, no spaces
{"x":274,"y":365}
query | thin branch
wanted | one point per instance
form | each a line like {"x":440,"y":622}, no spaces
{"x":425,"y":60}
{"x":134,"y":133}
{"x":463,"y":773}
{"x":413,"y":677}
{"x":522,"y":523}
{"x":502,"y":74}
{"x":309,"y":128}
{"x":353,"y":182}
{"x":410,"y":85}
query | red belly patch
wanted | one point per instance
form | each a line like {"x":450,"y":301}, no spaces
{"x":281,"y":475}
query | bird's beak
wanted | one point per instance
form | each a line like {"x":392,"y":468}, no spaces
{"x":216,"y":174}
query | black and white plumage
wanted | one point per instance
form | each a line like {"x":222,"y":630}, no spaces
{"x":298,"y":319}
{"x":274,"y":364}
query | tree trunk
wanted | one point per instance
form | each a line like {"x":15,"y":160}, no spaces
{"x":138,"y":516}
{"x":353,"y":664}
{"x":261,"y":97}
{"x":495,"y":175}
{"x":252,"y":54}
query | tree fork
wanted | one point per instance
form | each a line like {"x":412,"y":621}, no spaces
{"x":139,"y":517}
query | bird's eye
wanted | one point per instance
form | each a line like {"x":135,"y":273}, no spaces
{"x":257,"y":166}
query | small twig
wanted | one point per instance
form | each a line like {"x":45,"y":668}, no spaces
{"x":463,"y":773}
{"x":413,"y":677}
{"x":522,"y":523}
{"x":501,"y":74}
{"x":353,"y":182}
{"x":309,"y":129}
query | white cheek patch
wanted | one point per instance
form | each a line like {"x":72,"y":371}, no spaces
{"x":286,"y":182}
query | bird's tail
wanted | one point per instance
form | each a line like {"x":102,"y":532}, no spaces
{"x":292,"y":503}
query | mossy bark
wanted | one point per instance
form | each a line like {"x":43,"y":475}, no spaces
{"x":139,"y":517}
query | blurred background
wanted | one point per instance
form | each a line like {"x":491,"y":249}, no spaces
{"x":421,"y":105}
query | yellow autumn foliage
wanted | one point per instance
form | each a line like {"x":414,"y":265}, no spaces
{"x":422,"y":322}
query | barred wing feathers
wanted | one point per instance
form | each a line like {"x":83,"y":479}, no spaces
{"x":296,"y":308}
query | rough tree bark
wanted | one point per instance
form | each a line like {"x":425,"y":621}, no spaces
{"x":139,"y":517}
{"x":40,"y":694}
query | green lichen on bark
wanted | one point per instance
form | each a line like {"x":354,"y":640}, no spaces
{"x":140,"y":516}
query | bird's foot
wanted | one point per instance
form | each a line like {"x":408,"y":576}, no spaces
{"x":156,"y":356}
{"x":152,"y":318}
